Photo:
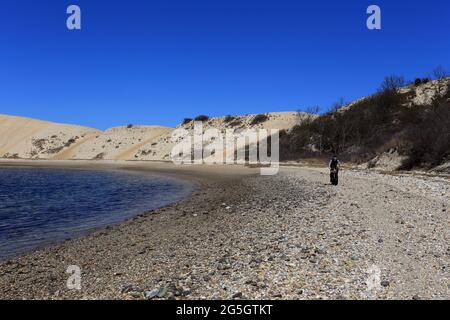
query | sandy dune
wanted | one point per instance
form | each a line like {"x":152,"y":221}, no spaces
{"x":160,"y":148}
{"x":25,"y":138}
{"x":422,"y":94}
{"x":30,"y":139}
{"x":119,"y":143}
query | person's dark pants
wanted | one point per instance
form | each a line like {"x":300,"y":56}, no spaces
{"x":334,"y":177}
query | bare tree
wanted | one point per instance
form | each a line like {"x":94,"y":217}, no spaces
{"x":392,"y":84}
{"x":337,"y":105}
{"x":313,"y":110}
{"x":308,"y":115}
{"x":440,"y":73}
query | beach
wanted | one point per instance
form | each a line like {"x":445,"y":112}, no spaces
{"x":245,"y":236}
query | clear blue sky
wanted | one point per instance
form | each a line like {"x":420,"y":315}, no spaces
{"x":158,"y":61}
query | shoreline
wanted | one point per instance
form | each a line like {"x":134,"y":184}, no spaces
{"x":188,"y":185}
{"x":199,"y":177}
{"x":155,"y":169}
{"x":190,"y":173}
{"x":246,"y":236}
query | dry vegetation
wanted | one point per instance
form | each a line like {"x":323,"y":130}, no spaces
{"x":382,"y":122}
{"x":259,"y":118}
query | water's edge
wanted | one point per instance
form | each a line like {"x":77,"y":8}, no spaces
{"x":189,"y":188}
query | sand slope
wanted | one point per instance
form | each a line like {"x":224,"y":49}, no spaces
{"x":419,"y":95}
{"x":119,"y":143}
{"x":35,"y":139}
{"x":32,"y":139}
{"x":161,"y":147}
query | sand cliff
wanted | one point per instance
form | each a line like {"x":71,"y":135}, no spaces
{"x":25,"y":138}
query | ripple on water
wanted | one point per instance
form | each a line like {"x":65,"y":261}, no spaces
{"x":42,"y":206}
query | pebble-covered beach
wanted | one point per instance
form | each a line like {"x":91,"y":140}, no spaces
{"x":245,"y":236}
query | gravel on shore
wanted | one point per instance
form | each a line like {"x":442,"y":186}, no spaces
{"x":245,"y":236}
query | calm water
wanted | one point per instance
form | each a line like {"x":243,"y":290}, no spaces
{"x":42,"y":206}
